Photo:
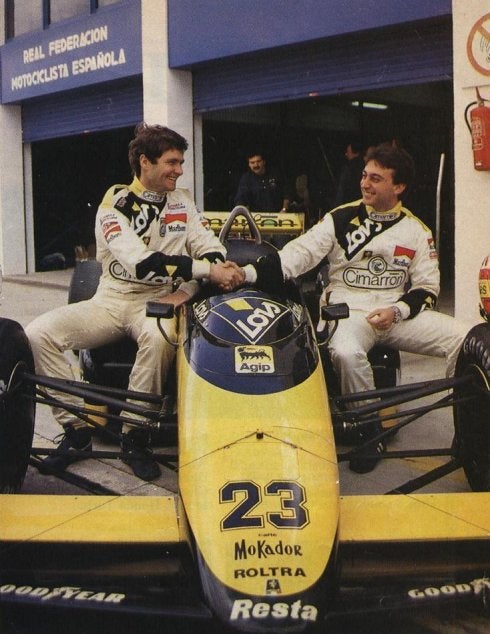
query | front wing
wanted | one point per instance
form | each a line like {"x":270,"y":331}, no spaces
{"x":129,"y":554}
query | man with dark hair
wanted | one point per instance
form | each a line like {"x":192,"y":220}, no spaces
{"x":261,"y":188}
{"x":153,"y":141}
{"x":383,"y":264}
{"x":154,"y":245}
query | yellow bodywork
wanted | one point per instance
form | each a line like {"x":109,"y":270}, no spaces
{"x":272,"y":456}
{"x":364,"y":518}
{"x":415,"y":517}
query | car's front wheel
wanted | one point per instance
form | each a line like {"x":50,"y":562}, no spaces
{"x":17,"y":407}
{"x":472,"y":413}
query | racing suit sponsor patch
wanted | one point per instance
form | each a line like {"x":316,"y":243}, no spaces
{"x":204,"y":221}
{"x":111,"y":229}
{"x":432,"y":248}
{"x":118,"y":272}
{"x":175,"y":222}
{"x":376,"y":275}
{"x":404,"y":251}
{"x":153,"y":197}
{"x":173,"y":217}
{"x":176,"y":205}
{"x":355,"y":230}
{"x":362,"y":234}
{"x":402,"y":256}
{"x":142,"y":217}
{"x":121,"y":202}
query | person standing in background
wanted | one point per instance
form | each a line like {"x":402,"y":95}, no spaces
{"x":262,"y":188}
{"x":349,"y":186}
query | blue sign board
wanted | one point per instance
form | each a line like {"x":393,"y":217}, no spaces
{"x":97,"y":48}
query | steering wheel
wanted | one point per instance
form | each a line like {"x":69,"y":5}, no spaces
{"x":244,"y":250}
{"x":240,"y":210}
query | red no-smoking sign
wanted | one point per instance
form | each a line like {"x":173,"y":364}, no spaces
{"x":478,"y":45}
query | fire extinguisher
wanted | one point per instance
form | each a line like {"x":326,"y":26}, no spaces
{"x":484,"y":287}
{"x":479,"y":127}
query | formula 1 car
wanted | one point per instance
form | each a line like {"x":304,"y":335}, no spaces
{"x":258,"y":538}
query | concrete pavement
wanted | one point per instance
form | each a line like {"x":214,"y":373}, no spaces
{"x":26,"y":296}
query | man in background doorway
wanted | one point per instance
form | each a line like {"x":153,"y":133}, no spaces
{"x":261,"y":188}
{"x":349,"y":186}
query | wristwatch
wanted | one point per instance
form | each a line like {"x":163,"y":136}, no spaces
{"x":398,"y":314}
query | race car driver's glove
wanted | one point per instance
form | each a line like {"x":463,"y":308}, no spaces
{"x":266,"y":273}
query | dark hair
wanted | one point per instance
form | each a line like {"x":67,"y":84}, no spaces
{"x":255,"y":151}
{"x":395,"y":158}
{"x":153,"y":141}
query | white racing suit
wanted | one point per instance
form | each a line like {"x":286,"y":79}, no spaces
{"x":376,"y":261}
{"x":145,"y":242}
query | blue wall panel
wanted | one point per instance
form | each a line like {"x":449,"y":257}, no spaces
{"x":388,"y":57}
{"x":101,"y":107}
{"x":204,"y":30}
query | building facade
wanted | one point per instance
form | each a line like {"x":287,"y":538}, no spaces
{"x":298,"y":79}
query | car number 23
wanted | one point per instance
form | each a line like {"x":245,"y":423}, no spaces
{"x":249,"y":497}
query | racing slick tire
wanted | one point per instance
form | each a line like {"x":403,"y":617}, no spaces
{"x":472,"y":417}
{"x":17,"y":407}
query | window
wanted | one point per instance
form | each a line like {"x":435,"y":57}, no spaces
{"x":62,"y":10}
{"x":23,"y":17}
{"x":35,"y":15}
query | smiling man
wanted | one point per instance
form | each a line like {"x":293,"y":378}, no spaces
{"x":383,"y":264}
{"x":154,"y":245}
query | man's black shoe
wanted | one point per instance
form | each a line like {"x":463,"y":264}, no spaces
{"x":72,"y":440}
{"x":137,"y":455}
{"x":360,"y":463}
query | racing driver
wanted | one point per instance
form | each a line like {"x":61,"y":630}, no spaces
{"x":153,"y":244}
{"x":383,"y":264}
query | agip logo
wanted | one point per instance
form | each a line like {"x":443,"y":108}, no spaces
{"x":254,"y":360}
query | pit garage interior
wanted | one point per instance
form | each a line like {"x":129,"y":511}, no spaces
{"x":300,"y":137}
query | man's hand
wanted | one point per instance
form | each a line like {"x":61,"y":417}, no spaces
{"x":382,"y":318}
{"x":227,"y":275}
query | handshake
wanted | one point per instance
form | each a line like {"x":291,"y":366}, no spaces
{"x":227,"y":275}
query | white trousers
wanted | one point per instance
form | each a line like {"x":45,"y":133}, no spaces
{"x":105,"y":318}
{"x":429,"y":333}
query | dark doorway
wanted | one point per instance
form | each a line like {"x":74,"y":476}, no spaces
{"x":70,"y":176}
{"x":309,"y":137}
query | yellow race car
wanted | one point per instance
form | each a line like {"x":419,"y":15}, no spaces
{"x":258,"y":538}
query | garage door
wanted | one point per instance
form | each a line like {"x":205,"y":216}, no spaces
{"x":412,"y":54}
{"x":100,"y":107}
